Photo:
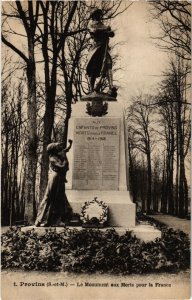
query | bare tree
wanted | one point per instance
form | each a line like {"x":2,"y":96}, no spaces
{"x":174,"y":18}
{"x":175,"y":119}
{"x":29,"y":18}
{"x":13,"y":139}
{"x":140,"y":124}
{"x":52,"y":39}
{"x":157,"y":181}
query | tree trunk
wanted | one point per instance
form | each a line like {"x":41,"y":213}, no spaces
{"x":181,"y":189}
{"x":30,"y":204}
{"x":148,"y":182}
{"x":162,"y":207}
{"x":68,"y":93}
{"x":186,"y":199}
{"x":50,"y":89}
{"x":177,"y":179}
{"x":142,"y":185}
{"x":170,"y":186}
{"x":48,"y":127}
{"x":4,"y":183}
{"x":182,"y":186}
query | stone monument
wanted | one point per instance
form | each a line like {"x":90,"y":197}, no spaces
{"x":98,"y":159}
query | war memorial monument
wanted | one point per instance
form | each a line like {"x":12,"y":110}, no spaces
{"x":95,"y":175}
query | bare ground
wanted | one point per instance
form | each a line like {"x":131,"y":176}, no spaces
{"x":174,"y":222}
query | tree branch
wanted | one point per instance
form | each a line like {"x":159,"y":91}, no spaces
{"x":16,"y":50}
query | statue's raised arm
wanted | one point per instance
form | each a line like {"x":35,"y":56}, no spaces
{"x":99,"y":59}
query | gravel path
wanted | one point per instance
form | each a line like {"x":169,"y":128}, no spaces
{"x":174,"y":222}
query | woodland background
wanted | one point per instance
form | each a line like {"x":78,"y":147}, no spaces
{"x":45,"y":46}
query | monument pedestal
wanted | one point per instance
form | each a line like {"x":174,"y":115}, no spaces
{"x":97,"y":163}
{"x":121,"y":208}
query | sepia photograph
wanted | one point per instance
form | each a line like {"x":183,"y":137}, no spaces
{"x":95,"y":149}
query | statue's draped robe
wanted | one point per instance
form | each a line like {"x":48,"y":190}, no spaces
{"x":54,"y":207}
{"x":99,"y":33}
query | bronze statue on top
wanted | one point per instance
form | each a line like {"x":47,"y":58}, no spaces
{"x":99,"y":60}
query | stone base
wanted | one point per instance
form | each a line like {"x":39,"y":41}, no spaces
{"x":145,"y":233}
{"x":121,"y":208}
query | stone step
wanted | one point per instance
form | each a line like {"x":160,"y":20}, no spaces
{"x":145,"y":233}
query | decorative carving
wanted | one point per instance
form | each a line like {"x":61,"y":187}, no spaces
{"x":97,"y":108}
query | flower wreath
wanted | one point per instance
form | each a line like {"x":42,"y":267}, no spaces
{"x":86,"y":207}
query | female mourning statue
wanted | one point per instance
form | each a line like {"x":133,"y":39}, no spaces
{"x":54,"y":209}
{"x":99,"y":59}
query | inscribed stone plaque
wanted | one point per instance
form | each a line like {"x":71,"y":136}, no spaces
{"x":96,"y":153}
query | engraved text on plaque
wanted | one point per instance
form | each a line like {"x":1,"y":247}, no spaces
{"x":96,"y":153}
